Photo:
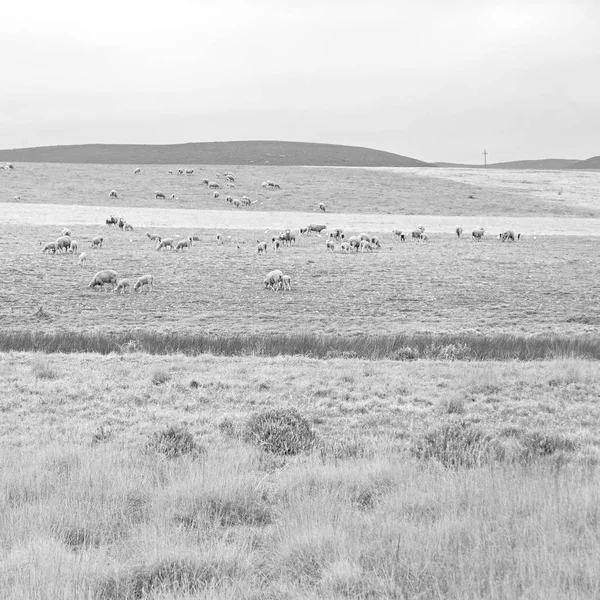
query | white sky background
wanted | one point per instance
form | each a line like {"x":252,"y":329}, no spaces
{"x":431,"y":79}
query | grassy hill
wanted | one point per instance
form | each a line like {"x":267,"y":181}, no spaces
{"x":590,"y":163}
{"x":541,"y":164}
{"x":214,"y":153}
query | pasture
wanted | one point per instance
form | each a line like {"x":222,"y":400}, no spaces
{"x":446,"y":285}
{"x":409,"y":191}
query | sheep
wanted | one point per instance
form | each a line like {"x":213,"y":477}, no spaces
{"x":230,"y":177}
{"x":196,"y":238}
{"x":273,"y":279}
{"x":213,"y":185}
{"x":103,"y":277}
{"x":10,"y":166}
{"x":170,"y":172}
{"x":189,"y":171}
{"x":66,"y":232}
{"x":160,"y":195}
{"x":337,"y":234}
{"x":424,"y":237}
{"x":276,"y":244}
{"x":112,"y":220}
{"x":286,"y":282}
{"x":144,"y":280}
{"x":128,"y":227}
{"x":264,"y":184}
{"x":322,"y":206}
{"x":137,"y":171}
{"x":287,"y":237}
{"x":477,"y":234}
{"x":166,"y":243}
{"x":416,"y":234}
{"x":172,"y":197}
{"x":246,"y":201}
{"x":63,"y":242}
{"x":345,"y":247}
{"x":364,"y":237}
{"x":50,"y":247}
{"x":73,"y":246}
{"x":179,"y":171}
{"x":508,"y":235}
{"x":375,"y":242}
{"x":122,"y":286}
{"x":355,"y":242}
{"x":82,"y":259}
{"x":153,"y":236}
{"x":219,"y":238}
{"x":121,"y":223}
{"x":184,"y":244}
{"x":303,"y":230}
{"x":228,"y":198}
{"x":231,"y":186}
{"x":97,"y":242}
{"x":329,"y":245}
{"x":262,"y":248}
{"x":236,"y":203}
{"x":205,"y":181}
{"x":366,"y":246}
{"x":113,"y":194}
{"x":316,"y":228}
{"x":459,"y":231}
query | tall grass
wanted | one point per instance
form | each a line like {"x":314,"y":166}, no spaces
{"x":396,"y":347}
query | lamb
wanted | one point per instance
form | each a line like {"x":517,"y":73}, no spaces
{"x":424,"y":237}
{"x":216,"y":195}
{"x":144,"y":280}
{"x":286,"y":282}
{"x":354,"y":242}
{"x":97,"y":242}
{"x":219,"y":238}
{"x":137,"y":171}
{"x":73,"y":247}
{"x":329,"y":245}
{"x":322,"y":206}
{"x":236,"y":203}
{"x":153,"y":236}
{"x":228,"y":198}
{"x":276,"y":244}
{"x":63,"y":242}
{"x":66,"y":232}
{"x":50,"y":247}
{"x":345,"y":247}
{"x":262,"y":248}
{"x":166,"y":243}
{"x":82,"y":259}
{"x":103,"y":277}
{"x":184,"y":244}
{"x":366,"y":246}
{"x":122,"y":286}
{"x":375,"y":242}
{"x":113,"y":194}
{"x":273,"y":279}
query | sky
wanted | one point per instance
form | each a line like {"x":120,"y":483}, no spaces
{"x":436,"y":80}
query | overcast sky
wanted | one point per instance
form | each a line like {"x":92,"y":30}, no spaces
{"x":430,"y":79}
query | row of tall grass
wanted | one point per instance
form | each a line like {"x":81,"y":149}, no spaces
{"x":467,"y":346}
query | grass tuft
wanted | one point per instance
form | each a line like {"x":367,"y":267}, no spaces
{"x":174,"y":441}
{"x":160,"y":376}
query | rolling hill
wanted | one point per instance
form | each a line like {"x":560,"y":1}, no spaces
{"x":590,"y":163}
{"x":215,"y":153}
{"x":541,"y":164}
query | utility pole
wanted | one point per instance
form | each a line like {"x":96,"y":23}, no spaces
{"x":485,"y":153}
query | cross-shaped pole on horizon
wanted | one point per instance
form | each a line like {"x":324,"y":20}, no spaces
{"x":485,"y":153}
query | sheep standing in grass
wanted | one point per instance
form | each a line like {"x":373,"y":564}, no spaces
{"x":459,"y":231}
{"x":166,"y":243}
{"x":236,"y":203}
{"x":213,"y":185}
{"x":144,"y":280}
{"x":128,"y":227}
{"x":65,"y":232}
{"x":329,"y":246}
{"x":366,"y":246}
{"x":50,"y":247}
{"x":273,"y":279}
{"x":399,"y":234}
{"x":219,"y":239}
{"x":122,"y":286}
{"x":216,"y":195}
{"x":477,"y":234}
{"x":82,"y":259}
{"x":416,"y":234}
{"x":345,"y":247}
{"x":322,"y":207}
{"x":160,"y":195}
{"x":113,"y":194}
{"x":137,"y":171}
{"x":286,"y":282}
{"x":262,"y":248}
{"x":97,"y":242}
{"x":184,"y":244}
{"x":354,"y":242}
{"x":375,"y":242}
{"x":246,"y":201}
{"x":73,"y":247}
{"x":276,"y":244}
{"x":228,"y":199}
{"x":63,"y":242}
{"x":153,"y":236}
{"x":104,"y":277}
{"x":424,"y":237}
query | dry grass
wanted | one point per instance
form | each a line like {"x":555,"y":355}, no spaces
{"x":369,"y":512}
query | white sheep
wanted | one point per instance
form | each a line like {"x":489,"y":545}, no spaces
{"x":113,"y":194}
{"x":366,"y":246}
{"x":184,"y":244}
{"x":345,"y":247}
{"x":236,"y":203}
{"x":273,"y":279}
{"x":50,"y":247}
{"x":122,"y":286}
{"x":153,"y":236}
{"x":66,"y":232}
{"x":189,"y":171}
{"x":128,"y":227}
{"x":103,"y":277}
{"x":322,"y":207}
{"x":216,"y":195}
{"x":229,"y":199}
{"x":276,"y":244}
{"x":262,"y":247}
{"x":82,"y":259}
{"x":137,"y":171}
{"x":329,"y":245}
{"x":424,"y":237}
{"x":375,"y":242}
{"x":97,"y":242}
{"x":160,"y":195}
{"x":165,"y":243}
{"x":144,"y":280}
{"x":213,"y":185}
{"x":286,"y":282}
{"x":219,"y":238}
{"x":63,"y":242}
{"x":73,"y":247}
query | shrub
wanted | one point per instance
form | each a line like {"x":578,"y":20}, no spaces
{"x":174,"y":441}
{"x":226,"y":427}
{"x":406,"y":353}
{"x":537,"y":444}
{"x":457,"y":444}
{"x":281,"y":431}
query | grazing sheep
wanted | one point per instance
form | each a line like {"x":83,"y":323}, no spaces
{"x":184,"y":244}
{"x":303,"y":230}
{"x":82,"y":259}
{"x":276,"y":244}
{"x":112,"y":220}
{"x":144,"y":280}
{"x":375,"y":242}
{"x":63,"y":242}
{"x":337,"y":234}
{"x":121,"y":223}
{"x":216,"y":195}
{"x":113,"y":194}
{"x":366,"y":246}
{"x":137,"y":171}
{"x":322,"y":206}
{"x":262,"y":248}
{"x":329,"y":245}
{"x":228,"y":198}
{"x":50,"y":247}
{"x":73,"y":246}
{"x":66,"y":232}
{"x":196,"y":238}
{"x":459,"y":231}
{"x":122,"y":286}
{"x":10,"y":166}
{"x":273,"y":279}
{"x":166,"y":243}
{"x":345,"y":247}
{"x":205,"y":181}
{"x":424,"y":237}
{"x":128,"y":227}
{"x":189,"y":171}
{"x":264,"y":184}
{"x":160,"y":195}
{"x":316,"y":228}
{"x":416,"y":234}
{"x":229,"y":177}
{"x":508,"y":236}
{"x":179,"y":171}
{"x":213,"y":185}
{"x":153,"y":236}
{"x":236,"y":203}
{"x":246,"y":201}
{"x":286,"y":282}
{"x":219,"y":238}
{"x":103,"y":277}
{"x":231,"y":186}
{"x":477,"y":234}
{"x":354,"y":242}
{"x":97,"y":242}
{"x":364,"y":237}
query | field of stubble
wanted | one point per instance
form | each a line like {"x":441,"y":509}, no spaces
{"x":546,"y":285}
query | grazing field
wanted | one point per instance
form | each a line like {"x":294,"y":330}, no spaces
{"x":141,"y":477}
{"x":546,"y":285}
{"x":410,"y":191}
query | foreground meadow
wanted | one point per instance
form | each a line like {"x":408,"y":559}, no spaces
{"x":141,"y":477}
{"x":543,"y":285}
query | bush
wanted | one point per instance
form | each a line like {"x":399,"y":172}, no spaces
{"x":174,"y":441}
{"x":457,"y":444}
{"x":406,"y":353}
{"x":538,"y":444}
{"x":281,"y":431}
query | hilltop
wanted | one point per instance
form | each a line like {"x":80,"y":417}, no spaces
{"x":215,"y":153}
{"x":541,"y":164}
